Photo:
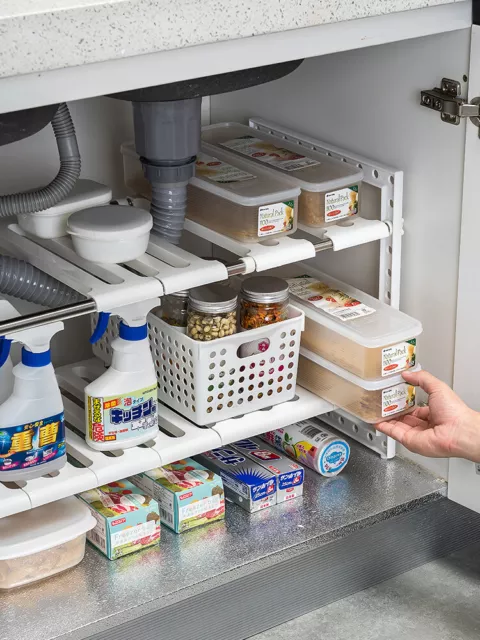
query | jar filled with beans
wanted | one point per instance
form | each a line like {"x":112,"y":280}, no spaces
{"x":174,"y":309}
{"x":212,"y":312}
{"x":263,"y":301}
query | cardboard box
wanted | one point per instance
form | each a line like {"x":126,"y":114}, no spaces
{"x":290,"y":474}
{"x":127,"y":519}
{"x":246,"y":483}
{"x":188,"y":494}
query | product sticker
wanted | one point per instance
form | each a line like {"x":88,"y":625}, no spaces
{"x":133,"y":534}
{"x":334,"y":458}
{"x":341,"y":204}
{"x":399,"y":357}
{"x":98,"y":538}
{"x":266,"y":152}
{"x":199,"y":507}
{"x":165,"y":502}
{"x":332,"y":301}
{"x":219,"y":171}
{"x":118,"y":418}
{"x":397,"y":398}
{"x":32,"y":444}
{"x":313,"y":432}
{"x":275,"y":218}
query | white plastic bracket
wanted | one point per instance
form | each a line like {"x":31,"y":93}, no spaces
{"x":361,"y":431}
{"x":263,"y":255}
{"x":352,"y":233}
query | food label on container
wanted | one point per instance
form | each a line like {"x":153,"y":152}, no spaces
{"x":266,"y":152}
{"x":275,"y":218}
{"x":126,"y":536}
{"x":332,"y":301}
{"x":118,"y":418}
{"x":399,"y":357}
{"x":32,"y":444}
{"x":199,"y":507}
{"x":397,"y":398}
{"x":341,"y":204}
{"x":218,"y":171}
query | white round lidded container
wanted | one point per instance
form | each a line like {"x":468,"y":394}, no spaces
{"x":41,"y":542}
{"x":111,"y":234}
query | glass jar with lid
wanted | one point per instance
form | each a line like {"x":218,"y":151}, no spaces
{"x":212,"y":312}
{"x":174,"y":309}
{"x":263,"y":301}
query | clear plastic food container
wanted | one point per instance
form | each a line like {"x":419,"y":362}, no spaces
{"x":331,"y":190}
{"x":370,"y":400}
{"x":44,"y":541}
{"x":239,"y":200}
{"x":352,"y":329}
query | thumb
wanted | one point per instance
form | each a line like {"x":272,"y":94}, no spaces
{"x":424,"y":380}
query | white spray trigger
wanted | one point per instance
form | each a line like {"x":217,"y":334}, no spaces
{"x":38,"y":339}
{"x":135,"y":315}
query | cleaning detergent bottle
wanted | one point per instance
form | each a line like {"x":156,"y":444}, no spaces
{"x":7,"y":311}
{"x":32,"y":427}
{"x":121,"y":405}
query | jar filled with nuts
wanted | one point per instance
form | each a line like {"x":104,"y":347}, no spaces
{"x":174,"y":309}
{"x":263,"y":301}
{"x":212,"y":312}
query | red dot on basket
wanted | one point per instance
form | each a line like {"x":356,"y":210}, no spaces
{"x":252,"y":365}
{"x":281,"y":367}
{"x":271,"y":371}
{"x":242,"y":368}
{"x":261,"y":373}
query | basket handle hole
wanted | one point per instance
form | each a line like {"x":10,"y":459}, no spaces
{"x":262,"y":345}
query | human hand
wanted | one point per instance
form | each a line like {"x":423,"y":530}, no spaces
{"x":446,"y":428}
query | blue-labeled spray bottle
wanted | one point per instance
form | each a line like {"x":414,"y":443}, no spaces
{"x":122,"y":404}
{"x":32,"y":427}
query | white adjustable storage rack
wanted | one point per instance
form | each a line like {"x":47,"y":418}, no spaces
{"x":164,"y":269}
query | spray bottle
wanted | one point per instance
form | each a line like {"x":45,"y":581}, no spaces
{"x":32,"y":427}
{"x":7,"y":311}
{"x":122,"y":404}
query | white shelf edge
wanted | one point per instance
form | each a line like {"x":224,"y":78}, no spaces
{"x":186,"y":440}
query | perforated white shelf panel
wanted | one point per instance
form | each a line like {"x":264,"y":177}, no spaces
{"x":178,"y":439}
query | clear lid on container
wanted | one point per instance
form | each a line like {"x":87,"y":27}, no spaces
{"x":377,"y":384}
{"x":213,"y":298}
{"x":110,"y":222}
{"x":234,"y":179}
{"x":348,"y":311}
{"x":43,"y":528}
{"x":310,"y":170}
{"x":265,"y":289}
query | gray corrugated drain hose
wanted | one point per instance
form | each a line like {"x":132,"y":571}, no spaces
{"x":167,"y":139}
{"x":22,"y":280}
{"x":62,"y":184}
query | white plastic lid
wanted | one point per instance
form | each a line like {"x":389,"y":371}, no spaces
{"x":325,"y":174}
{"x":369,"y":385}
{"x":384,"y":327}
{"x":85,"y":193}
{"x":250,"y":185}
{"x":110,"y":222}
{"x":44,"y":527}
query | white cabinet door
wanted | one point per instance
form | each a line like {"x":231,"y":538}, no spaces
{"x":464,"y":476}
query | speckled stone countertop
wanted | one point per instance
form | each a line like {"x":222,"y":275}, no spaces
{"x":99,"y":593}
{"x":51,"y":34}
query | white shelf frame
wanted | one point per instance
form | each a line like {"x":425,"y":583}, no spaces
{"x":178,"y":439}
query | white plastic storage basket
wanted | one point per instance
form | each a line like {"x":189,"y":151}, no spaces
{"x":209,"y":382}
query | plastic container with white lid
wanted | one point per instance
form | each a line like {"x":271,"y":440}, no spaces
{"x":41,"y":542}
{"x":369,"y":400}
{"x":354,"y":330}
{"x":111,"y":234}
{"x":331,"y":190}
{"x":52,"y":223}
{"x":244,"y":202}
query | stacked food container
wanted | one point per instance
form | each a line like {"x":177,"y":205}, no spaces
{"x":355,"y":348}
{"x":330,"y":189}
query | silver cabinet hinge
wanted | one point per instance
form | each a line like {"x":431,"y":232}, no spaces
{"x":452,"y":107}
